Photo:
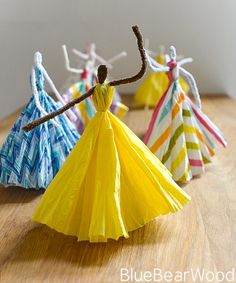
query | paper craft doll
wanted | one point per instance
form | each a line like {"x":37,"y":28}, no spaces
{"x":31,"y":160}
{"x":111,"y":183}
{"x":179,"y":133}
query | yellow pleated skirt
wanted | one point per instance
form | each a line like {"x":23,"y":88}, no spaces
{"x":109,"y":185}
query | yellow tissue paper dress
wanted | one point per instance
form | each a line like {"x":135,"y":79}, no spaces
{"x":110,"y":184}
{"x":155,"y":85}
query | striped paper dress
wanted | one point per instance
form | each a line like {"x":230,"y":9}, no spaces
{"x":180,"y":134}
{"x":32,"y":159}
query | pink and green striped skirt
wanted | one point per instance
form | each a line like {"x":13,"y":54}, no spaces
{"x":181,"y":135}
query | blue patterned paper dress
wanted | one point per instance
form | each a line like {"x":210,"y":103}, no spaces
{"x":32,"y":159}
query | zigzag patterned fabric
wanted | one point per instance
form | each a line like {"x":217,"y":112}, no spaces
{"x":180,"y":134}
{"x":32,"y":159}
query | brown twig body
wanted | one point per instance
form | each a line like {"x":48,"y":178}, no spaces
{"x":102,"y":74}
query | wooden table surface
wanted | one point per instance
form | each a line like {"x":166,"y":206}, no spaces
{"x":202,"y":235}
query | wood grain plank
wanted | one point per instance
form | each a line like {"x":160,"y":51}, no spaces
{"x":202,"y":235}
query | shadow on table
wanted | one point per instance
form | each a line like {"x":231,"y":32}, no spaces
{"x":18,"y":195}
{"x":44,"y":243}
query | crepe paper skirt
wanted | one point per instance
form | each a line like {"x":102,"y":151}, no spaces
{"x":110,"y":184}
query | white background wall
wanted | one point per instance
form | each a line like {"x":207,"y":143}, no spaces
{"x":203,"y":29}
